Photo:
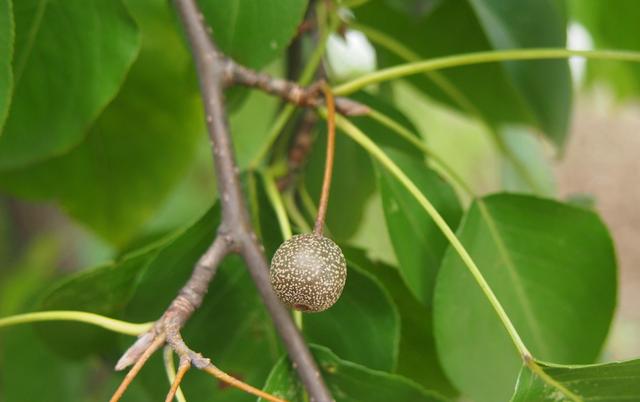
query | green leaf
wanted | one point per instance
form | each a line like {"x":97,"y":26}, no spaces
{"x":137,"y":150}
{"x":619,"y":381}
{"x":611,"y":26}
{"x":544,"y":85}
{"x":347,"y":381}
{"x":70,"y":60}
{"x":552,"y":267}
{"x":417,"y":359}
{"x":368,"y":309}
{"x":6,"y":55}
{"x":535,"y":93}
{"x":104,"y":290}
{"x":253,"y":32}
{"x":418,"y":243}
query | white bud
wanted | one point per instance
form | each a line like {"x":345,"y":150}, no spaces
{"x":349,"y":57}
{"x":578,"y":38}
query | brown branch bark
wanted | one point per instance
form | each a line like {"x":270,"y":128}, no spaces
{"x":311,"y":96}
{"x":236,"y":223}
{"x":235,"y":233}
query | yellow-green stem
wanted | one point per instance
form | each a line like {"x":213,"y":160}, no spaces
{"x":123,"y":327}
{"x":294,"y":213}
{"x":170,"y":369}
{"x":440,"y":63}
{"x":408,"y":136}
{"x":275,"y":199}
{"x":458,"y":97}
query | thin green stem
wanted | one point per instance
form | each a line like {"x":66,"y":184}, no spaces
{"x":287,"y":111}
{"x":478,"y":58}
{"x":407,"y":135}
{"x":294,"y":213}
{"x":170,"y":369}
{"x":123,"y":327}
{"x":375,"y":151}
{"x":410,"y":56}
{"x":307,"y":201}
{"x":275,"y":198}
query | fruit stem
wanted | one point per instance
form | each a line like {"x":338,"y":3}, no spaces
{"x":328,"y":165}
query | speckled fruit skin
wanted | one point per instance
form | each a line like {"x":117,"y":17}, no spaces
{"x":308,"y":272}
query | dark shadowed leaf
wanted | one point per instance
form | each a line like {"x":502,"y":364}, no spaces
{"x":544,"y":85}
{"x":618,"y":381}
{"x":253,"y":32}
{"x":139,"y":147}
{"x":418,"y":243}
{"x":553,"y":268}
{"x":70,"y":60}
{"x":537,"y":93}
{"x":6,"y":56}
{"x":347,"y":381}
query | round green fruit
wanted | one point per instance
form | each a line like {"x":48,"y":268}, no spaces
{"x":308,"y":272}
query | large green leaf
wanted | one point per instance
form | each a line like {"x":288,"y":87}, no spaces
{"x":347,"y":381}
{"x":417,"y":359}
{"x":70,"y":60}
{"x":536,"y":93}
{"x":6,"y":56}
{"x":253,"y":32}
{"x":368,"y":309}
{"x":553,"y":268}
{"x":619,"y":381}
{"x":611,"y":26}
{"x":418,"y":243}
{"x":138,"y":148}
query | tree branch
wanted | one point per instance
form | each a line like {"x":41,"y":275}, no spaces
{"x":311,"y":96}
{"x":235,"y":216}
{"x":235,"y":233}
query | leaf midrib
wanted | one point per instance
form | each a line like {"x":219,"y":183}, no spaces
{"x":512,"y":271}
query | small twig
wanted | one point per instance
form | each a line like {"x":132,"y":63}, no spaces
{"x":221,"y":375}
{"x":311,"y":96}
{"x":328,"y":164}
{"x":185,"y":365}
{"x":155,"y":345}
{"x":299,"y":150}
{"x":171,"y":372}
